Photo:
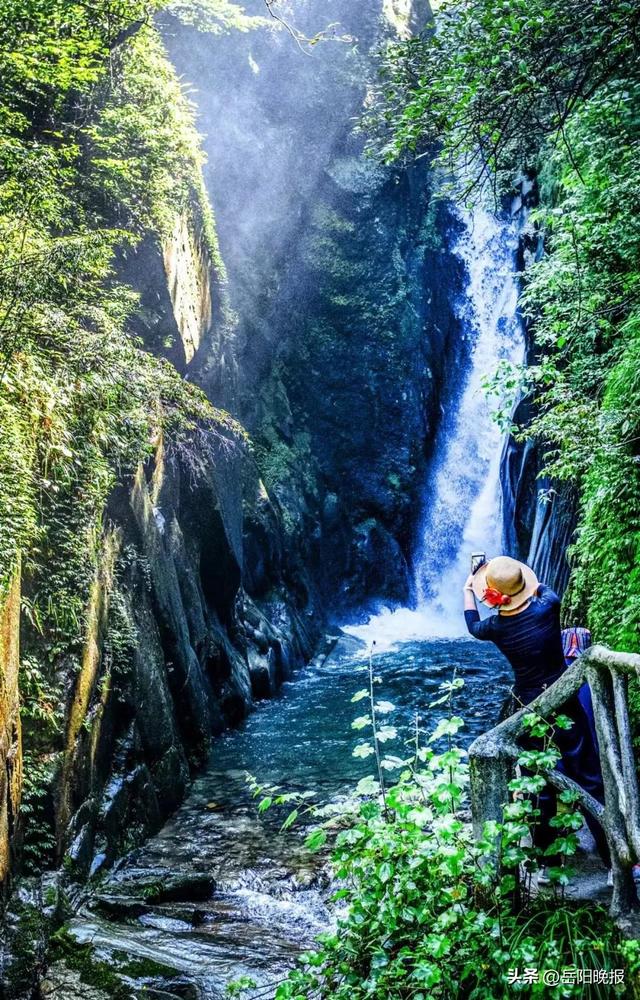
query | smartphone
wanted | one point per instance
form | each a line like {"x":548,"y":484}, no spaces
{"x":478,"y":559}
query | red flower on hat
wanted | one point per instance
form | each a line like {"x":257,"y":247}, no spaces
{"x":495,"y":599}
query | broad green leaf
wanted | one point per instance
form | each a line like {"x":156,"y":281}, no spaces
{"x":384,"y":707}
{"x":367,"y":786}
{"x":386,"y":733}
{"x":290,"y":820}
{"x":361,"y":722}
{"x":316,"y":839}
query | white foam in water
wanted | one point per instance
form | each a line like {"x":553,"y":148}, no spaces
{"x":462,"y":498}
{"x":395,"y":625}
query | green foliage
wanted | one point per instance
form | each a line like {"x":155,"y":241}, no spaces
{"x":36,"y":807}
{"x":122,"y":635}
{"x":491,"y":83}
{"x":214,"y":16}
{"x":50,"y":49}
{"x":239,"y":986}
{"x":145,"y":151}
{"x":423,"y":910}
{"x":40,"y":698}
{"x":584,"y":300}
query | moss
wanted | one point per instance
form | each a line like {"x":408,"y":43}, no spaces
{"x":276,"y":462}
{"x":95,"y":620}
{"x":430,"y":234}
{"x":279,"y":462}
{"x":50,"y":896}
{"x":327,"y":218}
{"x":142,"y":968}
{"x":82,"y":959}
{"x":10,"y":721}
{"x":96,"y":616}
{"x":25,"y":954}
{"x":122,"y":637}
{"x":22,"y":401}
{"x":323,"y":253}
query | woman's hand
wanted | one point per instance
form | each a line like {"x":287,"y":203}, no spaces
{"x":469,"y":596}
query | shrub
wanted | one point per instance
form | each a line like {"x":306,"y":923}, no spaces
{"x":423,"y":911}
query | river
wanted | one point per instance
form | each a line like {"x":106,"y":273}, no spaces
{"x":270,"y":895}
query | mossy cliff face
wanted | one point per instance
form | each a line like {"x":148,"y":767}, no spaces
{"x":173,"y":641}
{"x":368,"y":368}
{"x":176,"y":652}
{"x":189,"y":611}
{"x":146,"y":595}
{"x":342,"y":283}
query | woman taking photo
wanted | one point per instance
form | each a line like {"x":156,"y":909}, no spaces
{"x":526,"y":629}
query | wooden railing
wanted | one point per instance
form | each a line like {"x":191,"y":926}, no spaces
{"x":492,"y":759}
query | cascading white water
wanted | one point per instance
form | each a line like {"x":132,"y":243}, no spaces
{"x":462,"y":498}
{"x":462,"y":505}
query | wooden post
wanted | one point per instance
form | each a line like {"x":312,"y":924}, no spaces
{"x":491,"y":766}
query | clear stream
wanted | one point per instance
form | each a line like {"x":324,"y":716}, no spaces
{"x":270,"y":895}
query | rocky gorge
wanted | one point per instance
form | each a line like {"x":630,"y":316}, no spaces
{"x":318,"y":317}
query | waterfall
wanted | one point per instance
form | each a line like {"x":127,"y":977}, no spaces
{"x":462,"y":509}
{"x":462,"y":497}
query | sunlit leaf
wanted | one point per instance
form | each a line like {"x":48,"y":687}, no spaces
{"x":361,"y":722}
{"x":386,"y":733}
{"x":384,"y":707}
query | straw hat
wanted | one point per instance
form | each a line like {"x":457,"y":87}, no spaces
{"x":504,"y":582}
